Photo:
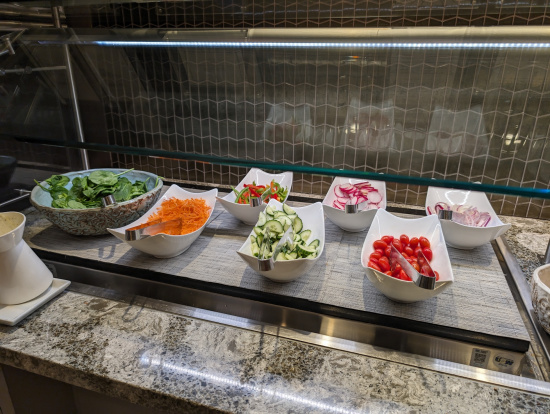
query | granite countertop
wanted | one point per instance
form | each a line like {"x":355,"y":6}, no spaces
{"x":528,"y":240}
{"x":175,"y":363}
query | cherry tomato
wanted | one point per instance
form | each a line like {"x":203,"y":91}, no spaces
{"x":397,"y":244}
{"x":376,"y":255}
{"x":425,"y":270}
{"x":436,"y":275}
{"x":404,"y":239}
{"x":387,"y":239}
{"x":384,"y":264}
{"x":373,"y":265}
{"x":379,"y":244}
{"x":403,"y":276}
{"x":381,"y":251}
{"x":388,"y":273}
{"x":428,"y":253}
{"x":424,"y":242}
{"x":374,"y":260}
{"x":387,"y":252}
{"x":395,"y":271}
{"x":413,"y":242}
{"x":418,"y":249}
{"x":416,"y":267}
{"x":409,"y":251}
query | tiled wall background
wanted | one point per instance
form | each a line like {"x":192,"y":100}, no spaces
{"x":456,"y":114}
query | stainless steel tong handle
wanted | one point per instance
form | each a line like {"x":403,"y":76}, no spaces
{"x":419,"y":279}
{"x":257,"y":201}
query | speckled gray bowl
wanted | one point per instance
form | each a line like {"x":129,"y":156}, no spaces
{"x":95,"y":221}
{"x":540,"y":295}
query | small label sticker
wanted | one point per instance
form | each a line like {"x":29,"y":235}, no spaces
{"x":504,"y":361}
{"x":51,"y":268}
{"x":480,"y":358}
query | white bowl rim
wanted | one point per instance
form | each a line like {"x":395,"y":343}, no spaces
{"x":154,"y":207}
{"x":96,"y":209}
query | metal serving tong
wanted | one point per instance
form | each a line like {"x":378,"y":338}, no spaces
{"x":266,"y":264}
{"x":449,"y":215}
{"x":151,"y":228}
{"x":258,"y":201}
{"x":354,"y":208}
{"x":419,"y":279}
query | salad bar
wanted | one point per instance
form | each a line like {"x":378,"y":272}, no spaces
{"x":362,"y":274}
{"x":351,"y":280}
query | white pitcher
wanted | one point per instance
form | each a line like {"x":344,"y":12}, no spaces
{"x":23,"y":276}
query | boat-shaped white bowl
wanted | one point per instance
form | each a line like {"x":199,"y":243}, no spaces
{"x":245,"y":212}
{"x":357,"y":221}
{"x":459,"y":235}
{"x":167,"y":245}
{"x":285,"y":271}
{"x":385,"y":223}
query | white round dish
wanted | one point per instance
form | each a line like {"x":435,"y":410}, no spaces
{"x":385,"y":223}
{"x":244,"y":212}
{"x":459,"y":235}
{"x":357,"y":221}
{"x":167,"y":245}
{"x":285,"y":271}
{"x":540,"y":295}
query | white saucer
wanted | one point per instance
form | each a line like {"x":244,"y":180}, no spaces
{"x":12,"y":314}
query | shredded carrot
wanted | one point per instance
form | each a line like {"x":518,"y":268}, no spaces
{"x":193,"y":213}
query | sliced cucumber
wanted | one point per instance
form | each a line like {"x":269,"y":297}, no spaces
{"x":253,"y":240}
{"x":269,"y":210}
{"x":258,"y":230}
{"x":279,"y":213}
{"x":261,"y":219}
{"x":274,"y":226}
{"x":255,"y":249}
{"x":314,"y":243}
{"x":305,"y":235}
{"x":292,"y":256}
{"x":281,"y":256}
{"x":287,"y":209}
{"x":297,"y":225}
{"x":259,"y":239}
{"x":297,"y":238}
{"x":306,"y":251}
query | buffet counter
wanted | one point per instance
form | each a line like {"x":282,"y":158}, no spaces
{"x":144,"y":351}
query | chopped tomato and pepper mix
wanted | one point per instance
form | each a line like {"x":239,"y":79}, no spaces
{"x":275,"y":191}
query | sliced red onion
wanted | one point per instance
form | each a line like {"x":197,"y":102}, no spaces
{"x":464,"y":214}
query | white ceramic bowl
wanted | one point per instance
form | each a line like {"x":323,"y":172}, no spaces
{"x":540,"y":295}
{"x":167,"y":245}
{"x":385,"y":223}
{"x":352,"y":222}
{"x":459,"y":235}
{"x":244,"y":212}
{"x":285,"y":271}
